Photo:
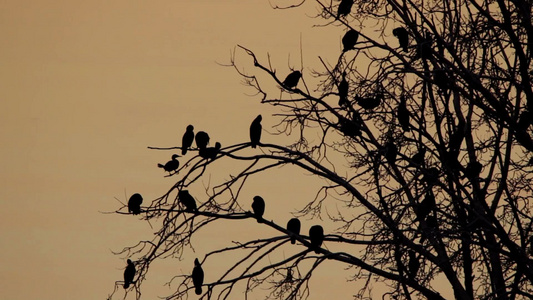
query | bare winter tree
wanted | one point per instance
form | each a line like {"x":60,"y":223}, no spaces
{"x":421,"y":134}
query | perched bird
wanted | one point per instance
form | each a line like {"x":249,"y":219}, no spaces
{"x":431,"y":224}
{"x":431,"y":176}
{"x":344,"y":8}
{"x":171,"y":165}
{"x":258,"y":206}
{"x":403,"y":37}
{"x":197,"y":277}
{"x":473,"y":169}
{"x":423,"y":48}
{"x":129,"y":273}
{"x":255,"y":131}
{"x":349,"y":40}
{"x":187,"y":139}
{"x":343,"y":91}
{"x":351,"y":128}
{"x":441,"y":79}
{"x":187,"y":200}
{"x":403,"y":114}
{"x":291,"y":81}
{"x":210,"y":152}
{"x":368,"y":102}
{"x":202,"y":140}
{"x":134,"y":204}
{"x":425,"y":207}
{"x":316,"y":237}
{"x":414,"y":264}
{"x":293,"y":226}
{"x":418,"y":159}
{"x":391,"y":151}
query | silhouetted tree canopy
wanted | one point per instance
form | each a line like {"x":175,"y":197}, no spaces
{"x":426,"y":163}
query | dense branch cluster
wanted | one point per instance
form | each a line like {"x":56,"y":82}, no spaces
{"x":424,"y":137}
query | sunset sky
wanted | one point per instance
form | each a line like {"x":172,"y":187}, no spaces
{"x":86,"y":87}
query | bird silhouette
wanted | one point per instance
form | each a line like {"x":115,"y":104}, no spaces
{"x":431,"y":176}
{"x":316,"y":237}
{"x":171,"y":165}
{"x":197,"y":277}
{"x":391,"y":151}
{"x":202,"y":139}
{"x":188,"y":138}
{"x":187,"y":200}
{"x":134,"y":204}
{"x":343,"y":91}
{"x":349,"y":40}
{"x":351,"y":128}
{"x":344,"y":8}
{"x":129,"y":274}
{"x":423,"y":48}
{"x":441,"y":79}
{"x":403,"y":37}
{"x":255,"y":131}
{"x":368,"y":103}
{"x":425,"y":207}
{"x":473,"y":169}
{"x":210,"y":152}
{"x":414,"y":265}
{"x":291,"y":81}
{"x":418,"y":159}
{"x":258,"y":206}
{"x":403,"y":114}
{"x":293,"y":227}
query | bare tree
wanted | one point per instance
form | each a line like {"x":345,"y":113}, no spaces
{"x":421,"y":134}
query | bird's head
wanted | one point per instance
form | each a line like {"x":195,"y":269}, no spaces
{"x":257,"y":198}
{"x":174,"y":156}
{"x":190,"y":128}
{"x":196,"y":262}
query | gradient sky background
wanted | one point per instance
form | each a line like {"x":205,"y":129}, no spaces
{"x":85,"y":87}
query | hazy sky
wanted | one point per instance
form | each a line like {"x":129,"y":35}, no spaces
{"x":85,"y":87}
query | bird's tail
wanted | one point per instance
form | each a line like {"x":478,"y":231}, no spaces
{"x":160,"y":165}
{"x":198,"y":290}
{"x":254,"y":145}
{"x":183,"y":150}
{"x":126,"y":285}
{"x":293,"y":240}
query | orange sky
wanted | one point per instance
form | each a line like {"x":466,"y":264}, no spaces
{"x":85,"y":87}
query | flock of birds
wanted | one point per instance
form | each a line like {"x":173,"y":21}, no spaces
{"x":316,"y":232}
{"x":423,"y":211}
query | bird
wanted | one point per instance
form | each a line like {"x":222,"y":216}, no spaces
{"x":403,"y":37}
{"x":423,"y":48}
{"x":291,"y":81}
{"x":425,"y":207}
{"x":403,"y":114}
{"x":414,"y":264}
{"x":343,"y":91}
{"x":255,"y":131}
{"x":441,"y":79}
{"x":351,"y":128}
{"x":431,"y":176}
{"x":187,"y":200}
{"x":368,"y":102}
{"x":171,"y":165}
{"x":210,"y":152}
{"x":258,"y":206}
{"x":418,"y":159}
{"x":197,"y":277}
{"x":349,"y":40}
{"x":316,"y":237}
{"x":187,"y":139}
{"x":293,"y":227}
{"x":129,"y":273}
{"x":344,"y":8}
{"x":473,"y":169}
{"x":391,"y":151}
{"x":134,"y":204}
{"x":202,"y":139}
